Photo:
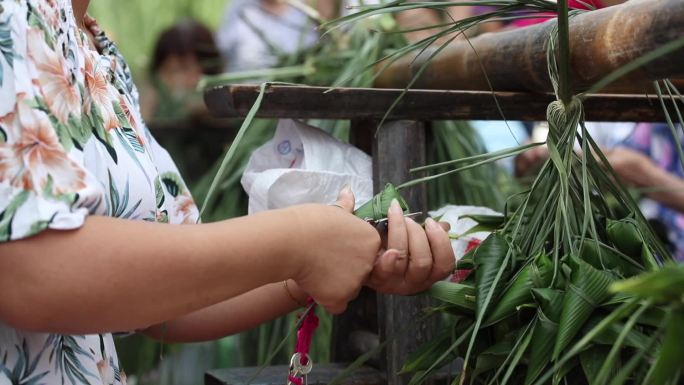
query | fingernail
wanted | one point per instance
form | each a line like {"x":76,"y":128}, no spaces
{"x":395,"y":207}
{"x":430,"y":224}
{"x":390,"y":255}
{"x":346,"y":189}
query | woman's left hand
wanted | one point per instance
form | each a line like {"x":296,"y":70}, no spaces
{"x":414,"y":258}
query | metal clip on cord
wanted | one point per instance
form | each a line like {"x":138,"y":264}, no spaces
{"x":298,"y":371}
{"x":300,"y":363}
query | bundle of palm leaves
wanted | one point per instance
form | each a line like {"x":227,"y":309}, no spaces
{"x":544,"y":303}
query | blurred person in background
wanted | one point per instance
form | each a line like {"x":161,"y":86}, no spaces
{"x":645,"y":157}
{"x":170,"y":101}
{"x":650,"y":161}
{"x":182,"y":54}
{"x":257,"y":34}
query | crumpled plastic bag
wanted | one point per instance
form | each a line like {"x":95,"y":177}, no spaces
{"x":455,"y":216}
{"x":303,"y":164}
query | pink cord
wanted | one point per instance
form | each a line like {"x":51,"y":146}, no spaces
{"x":304,"y":337}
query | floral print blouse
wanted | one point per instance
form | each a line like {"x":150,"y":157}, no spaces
{"x":72,"y":144}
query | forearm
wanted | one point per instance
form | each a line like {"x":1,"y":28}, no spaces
{"x":116,"y":275}
{"x":667,"y":189}
{"x":232,"y":316}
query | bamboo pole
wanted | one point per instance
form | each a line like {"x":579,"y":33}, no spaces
{"x":601,"y":41}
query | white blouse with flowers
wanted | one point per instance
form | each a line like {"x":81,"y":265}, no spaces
{"x":72,"y":144}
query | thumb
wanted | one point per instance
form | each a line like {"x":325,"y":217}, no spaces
{"x":345,"y":199}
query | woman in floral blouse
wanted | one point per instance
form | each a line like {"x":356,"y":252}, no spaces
{"x":84,"y":190}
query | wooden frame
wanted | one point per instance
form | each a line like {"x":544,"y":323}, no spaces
{"x":303,"y":102}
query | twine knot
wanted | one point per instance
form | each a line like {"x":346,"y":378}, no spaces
{"x":563,"y":119}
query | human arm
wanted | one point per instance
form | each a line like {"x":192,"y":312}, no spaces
{"x":113,"y":275}
{"x":638,"y":170}
{"x":234,"y":315}
{"x":415,"y":258}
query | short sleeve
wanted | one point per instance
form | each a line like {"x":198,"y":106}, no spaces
{"x":42,"y":185}
{"x":180,"y":205}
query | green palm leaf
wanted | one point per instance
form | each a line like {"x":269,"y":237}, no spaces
{"x":666,"y":284}
{"x":428,"y":354}
{"x":634,"y":338}
{"x":625,"y":236}
{"x":550,"y":303}
{"x":668,"y":366}
{"x":377,"y":207}
{"x":603,"y":257}
{"x":591,"y":360}
{"x":535,"y":275}
{"x":489,"y":258}
{"x":495,"y":356}
{"x":458,"y":294}
{"x":587,"y":289}
{"x":626,"y":371}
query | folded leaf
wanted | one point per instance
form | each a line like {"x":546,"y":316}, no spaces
{"x":587,"y":289}
{"x":543,"y":338}
{"x":463,"y":296}
{"x":625,"y":236}
{"x":537,"y":274}
{"x":377,"y":207}
{"x":488,"y":259}
{"x":602,"y":257}
{"x":649,"y":259}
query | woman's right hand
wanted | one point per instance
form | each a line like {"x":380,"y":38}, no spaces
{"x":333,"y":250}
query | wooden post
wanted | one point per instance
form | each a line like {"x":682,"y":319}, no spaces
{"x":399,"y":146}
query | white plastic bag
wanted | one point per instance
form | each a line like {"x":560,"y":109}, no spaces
{"x":455,"y":216}
{"x":303,"y":164}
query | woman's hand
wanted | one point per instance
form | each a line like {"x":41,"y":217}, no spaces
{"x":638,"y":170}
{"x":414,"y":258}
{"x":334,"y":251}
{"x":633,"y":167}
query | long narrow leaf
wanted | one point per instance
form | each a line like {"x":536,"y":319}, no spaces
{"x":233,"y":148}
{"x":548,"y":316}
{"x":668,"y":366}
{"x":489,"y":258}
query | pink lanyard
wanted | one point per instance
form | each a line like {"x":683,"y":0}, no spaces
{"x":301,"y":364}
